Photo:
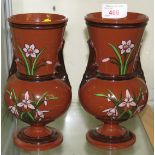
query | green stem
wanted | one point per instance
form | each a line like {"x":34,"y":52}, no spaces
{"x":26,"y":62}
{"x":37,"y":103}
{"x":119,"y":57}
{"x":15,"y":97}
{"x":35,"y":61}
{"x":122,"y":114}
{"x":126,"y":64}
{"x":140,"y":94}
{"x":30,"y":115}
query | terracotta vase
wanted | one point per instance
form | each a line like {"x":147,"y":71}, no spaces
{"x":113,"y":88}
{"x":38,"y":89}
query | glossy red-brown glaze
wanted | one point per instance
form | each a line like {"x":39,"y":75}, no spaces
{"x":113,"y":88}
{"x":102,"y":37}
{"x":42,"y":36}
{"x":38,"y":90}
{"x":55,"y":88}
{"x":96,"y":105}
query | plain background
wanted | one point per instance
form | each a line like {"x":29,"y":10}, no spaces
{"x":76,"y":49}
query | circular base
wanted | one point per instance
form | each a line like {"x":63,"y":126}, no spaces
{"x":31,"y":143}
{"x":110,"y":142}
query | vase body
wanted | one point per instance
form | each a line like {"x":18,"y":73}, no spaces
{"x":113,"y":88}
{"x":38,"y":89}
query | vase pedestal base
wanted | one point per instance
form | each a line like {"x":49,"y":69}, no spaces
{"x":110,"y":136}
{"x":37,"y":138}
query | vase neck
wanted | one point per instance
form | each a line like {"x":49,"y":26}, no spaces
{"x":116,"y":61}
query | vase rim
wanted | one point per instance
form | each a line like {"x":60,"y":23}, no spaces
{"x":132,"y":18}
{"x":37,"y":19}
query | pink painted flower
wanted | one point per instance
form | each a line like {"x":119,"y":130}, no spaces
{"x":111,"y":111}
{"x":126,"y":46}
{"x":30,"y":50}
{"x":105,"y":59}
{"x":128,"y":100}
{"x":139,"y":108}
{"x":26,"y":103}
{"x":40,"y":114}
{"x":14,"y":110}
{"x":49,"y":62}
{"x":17,"y":60}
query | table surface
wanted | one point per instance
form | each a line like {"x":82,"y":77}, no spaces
{"x":74,"y":125}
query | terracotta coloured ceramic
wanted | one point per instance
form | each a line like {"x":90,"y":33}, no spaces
{"x":113,"y":88}
{"x":38,"y":89}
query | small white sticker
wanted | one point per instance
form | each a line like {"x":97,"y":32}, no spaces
{"x":114,"y":10}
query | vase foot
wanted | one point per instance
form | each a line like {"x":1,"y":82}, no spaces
{"x":37,"y":138}
{"x":110,"y":140}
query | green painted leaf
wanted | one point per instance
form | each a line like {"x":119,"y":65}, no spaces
{"x":140,"y":94}
{"x":126,"y":64}
{"x":39,"y":100}
{"x":22,"y":114}
{"x":30,"y":115}
{"x":8,"y":92}
{"x":26,"y":62}
{"x":130,"y":113}
{"x":127,"y":60}
{"x":122,"y":114}
{"x":52,"y":98}
{"x":35,"y":61}
{"x":101,"y":95}
{"x":119,"y":57}
{"x":15,"y":97}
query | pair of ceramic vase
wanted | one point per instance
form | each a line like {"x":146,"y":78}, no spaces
{"x":113,"y":88}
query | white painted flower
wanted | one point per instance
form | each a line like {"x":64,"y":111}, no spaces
{"x":26,"y":103}
{"x":111,"y":111}
{"x":105,"y":59}
{"x":111,"y":97}
{"x":30,"y":50}
{"x":11,"y":95}
{"x":14,"y":110}
{"x":49,"y":62}
{"x":40,"y":114}
{"x":45,"y":101}
{"x":128,"y":100}
{"x":126,"y":46}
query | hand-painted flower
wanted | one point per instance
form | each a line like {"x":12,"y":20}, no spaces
{"x":26,"y":103}
{"x":30,"y":50}
{"x":139,"y":108}
{"x":111,"y":111}
{"x":10,"y":95}
{"x":128,"y":100}
{"x":49,"y":62}
{"x":40,"y":114}
{"x":14,"y":110}
{"x":105,"y":59}
{"x":17,"y":60}
{"x":126,"y":46}
{"x":111,"y":97}
{"x":45,"y":101}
